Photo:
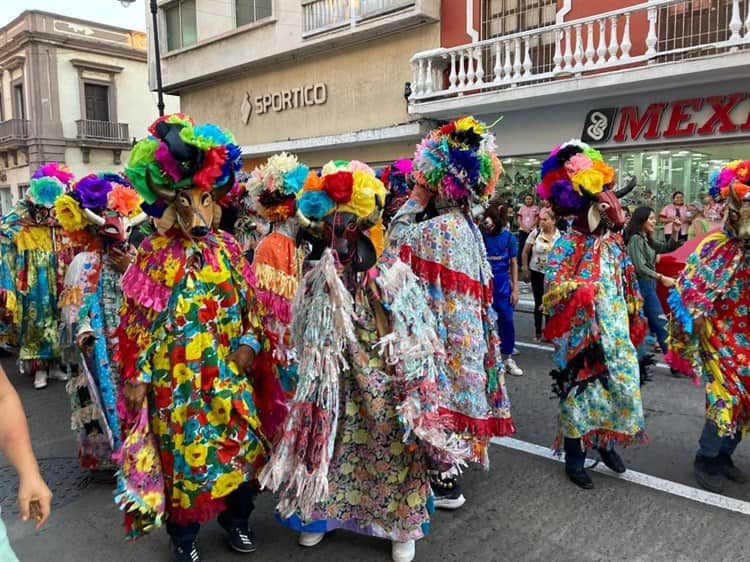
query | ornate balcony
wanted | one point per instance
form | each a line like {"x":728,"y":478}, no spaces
{"x":652,"y":36}
{"x":102,"y":130}
{"x":13,"y":133}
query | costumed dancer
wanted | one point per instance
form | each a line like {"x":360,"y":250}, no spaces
{"x":399,"y":182}
{"x":106,"y":205}
{"x":595,"y":312}
{"x":192,"y":439}
{"x":364,"y":422}
{"x":35,"y":253}
{"x":272,"y":192}
{"x":455,"y":167}
{"x":709,"y":329}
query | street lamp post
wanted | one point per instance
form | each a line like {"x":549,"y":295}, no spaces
{"x":157,"y":56}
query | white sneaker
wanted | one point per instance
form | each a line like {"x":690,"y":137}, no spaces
{"x":511,"y":368}
{"x":310,"y":539}
{"x":58,"y":375}
{"x":40,"y":379}
{"x":403,"y":551}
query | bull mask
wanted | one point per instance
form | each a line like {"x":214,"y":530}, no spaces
{"x":738,"y":215}
{"x":605,"y":210}
{"x":114,"y":226}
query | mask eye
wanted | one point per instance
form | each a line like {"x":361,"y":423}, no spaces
{"x":183,"y":201}
{"x":205,"y":199}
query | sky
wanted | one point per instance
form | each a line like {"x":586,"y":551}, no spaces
{"x":111,"y":12}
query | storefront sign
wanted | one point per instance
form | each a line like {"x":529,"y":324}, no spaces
{"x":689,"y":117}
{"x":283,"y":100}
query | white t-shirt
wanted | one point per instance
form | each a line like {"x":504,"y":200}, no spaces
{"x":540,"y":249}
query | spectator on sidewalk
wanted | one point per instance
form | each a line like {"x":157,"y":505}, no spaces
{"x":528,"y":218}
{"x":674,"y":215}
{"x":699,"y":224}
{"x":34,"y":497}
{"x":502,"y":253}
{"x":534,"y":262}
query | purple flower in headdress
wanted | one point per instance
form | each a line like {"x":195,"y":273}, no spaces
{"x":453,"y":188}
{"x":466,"y":161}
{"x":93,"y":191}
{"x":167,"y":162}
{"x":565,"y":197}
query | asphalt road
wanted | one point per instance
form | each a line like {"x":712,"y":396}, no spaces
{"x":522,"y":509}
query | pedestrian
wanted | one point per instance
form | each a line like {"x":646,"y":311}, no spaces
{"x":105,"y":206}
{"x":674,"y":215}
{"x":502,"y":253}
{"x":35,"y":253}
{"x":643,"y":251}
{"x":34,"y":497}
{"x":595,"y":318}
{"x":365,"y":420}
{"x":456,"y":166}
{"x":710,"y":332}
{"x":534,"y":263}
{"x":528,"y":218}
{"x":699,"y":224}
{"x":192,"y":439}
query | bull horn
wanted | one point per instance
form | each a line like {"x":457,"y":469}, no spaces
{"x":168,"y":195}
{"x":93,"y":217}
{"x":138,"y":219}
{"x":306,"y":223}
{"x":365,"y":223}
{"x":629,"y":186}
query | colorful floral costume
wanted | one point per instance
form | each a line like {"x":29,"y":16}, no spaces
{"x":447,"y":253}
{"x":35,"y":254}
{"x":188,"y":304}
{"x":594,"y":306}
{"x":91,"y":304}
{"x":364,"y":421}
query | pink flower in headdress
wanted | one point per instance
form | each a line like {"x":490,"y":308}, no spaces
{"x":55,"y":170}
{"x":726,"y":176}
{"x":404,"y":166}
{"x":454,"y":189}
{"x":577,"y":163}
{"x":167,"y":162}
{"x":544,"y":190}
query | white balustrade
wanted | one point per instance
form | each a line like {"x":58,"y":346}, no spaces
{"x":319,"y":16}
{"x":579,"y":47}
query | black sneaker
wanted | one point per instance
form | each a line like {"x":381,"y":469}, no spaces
{"x":729,"y":470}
{"x":186,"y":552}
{"x":612,"y":460}
{"x":241,"y":538}
{"x":708,"y":473}
{"x":580,"y":477}
{"x":447,"y":492}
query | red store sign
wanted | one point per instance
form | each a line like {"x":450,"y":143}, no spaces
{"x":688,"y":117}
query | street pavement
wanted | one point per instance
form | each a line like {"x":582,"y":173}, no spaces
{"x":523,"y":508}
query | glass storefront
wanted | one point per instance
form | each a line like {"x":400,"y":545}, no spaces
{"x":660,"y":172}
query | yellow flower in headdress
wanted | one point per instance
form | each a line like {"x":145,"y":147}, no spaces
{"x":469,"y":122}
{"x":365,"y":189}
{"x":69,"y":213}
{"x":590,"y":180}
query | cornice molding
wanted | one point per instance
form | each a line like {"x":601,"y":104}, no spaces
{"x":25,"y":38}
{"x":82,"y":64}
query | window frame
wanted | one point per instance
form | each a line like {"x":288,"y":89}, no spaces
{"x":110,"y":106}
{"x":178,"y":4}
{"x":255,"y":9}
{"x":16,"y":86}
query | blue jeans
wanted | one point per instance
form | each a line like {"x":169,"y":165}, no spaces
{"x":505,"y":328}
{"x":711,"y":445}
{"x":6,"y":552}
{"x":657,"y":322}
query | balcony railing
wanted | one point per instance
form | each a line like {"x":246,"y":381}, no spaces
{"x":648,"y":33}
{"x":14,"y":129}
{"x":102,"y":130}
{"x":324,"y":15}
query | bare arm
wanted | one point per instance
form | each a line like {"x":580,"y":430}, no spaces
{"x":33,"y":494}
{"x":514,"y":281}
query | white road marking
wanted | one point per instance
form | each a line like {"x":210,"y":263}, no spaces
{"x":550,"y":349}
{"x":660,"y":484}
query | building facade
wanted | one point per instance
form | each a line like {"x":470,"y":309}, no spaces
{"x":324,"y":79}
{"x":70,"y":91}
{"x":661,"y":86}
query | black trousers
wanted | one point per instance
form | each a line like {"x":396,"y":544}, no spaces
{"x":240,"y":505}
{"x":537,"y":288}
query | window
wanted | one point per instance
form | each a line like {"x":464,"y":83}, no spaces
{"x":181,"y":28}
{"x":2,"y":107}
{"x":503,"y":17}
{"x":19,"y":107}
{"x":6,"y":200}
{"x":96,"y":98}
{"x":249,"y":11}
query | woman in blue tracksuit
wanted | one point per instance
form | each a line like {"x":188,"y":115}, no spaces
{"x":502,"y":253}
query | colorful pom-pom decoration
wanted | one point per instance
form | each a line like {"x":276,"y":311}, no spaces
{"x":572,"y":175}
{"x":178,"y":154}
{"x":458,"y":161}
{"x":735,"y":174}
{"x":272,"y":188}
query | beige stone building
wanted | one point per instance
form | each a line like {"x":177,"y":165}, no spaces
{"x":321,"y":78}
{"x":71,"y":91}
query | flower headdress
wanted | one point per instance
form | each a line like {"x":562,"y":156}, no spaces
{"x":92,"y":196}
{"x":458,"y":161}
{"x":48,"y":183}
{"x":572,"y":175}
{"x":399,"y":182}
{"x":273,"y":186}
{"x":736,"y":173}
{"x":178,"y":154}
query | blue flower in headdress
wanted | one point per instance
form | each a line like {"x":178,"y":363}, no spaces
{"x":43,"y":191}
{"x":550,"y":164}
{"x":315,"y":204}
{"x":466,"y":161}
{"x":294,"y":180}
